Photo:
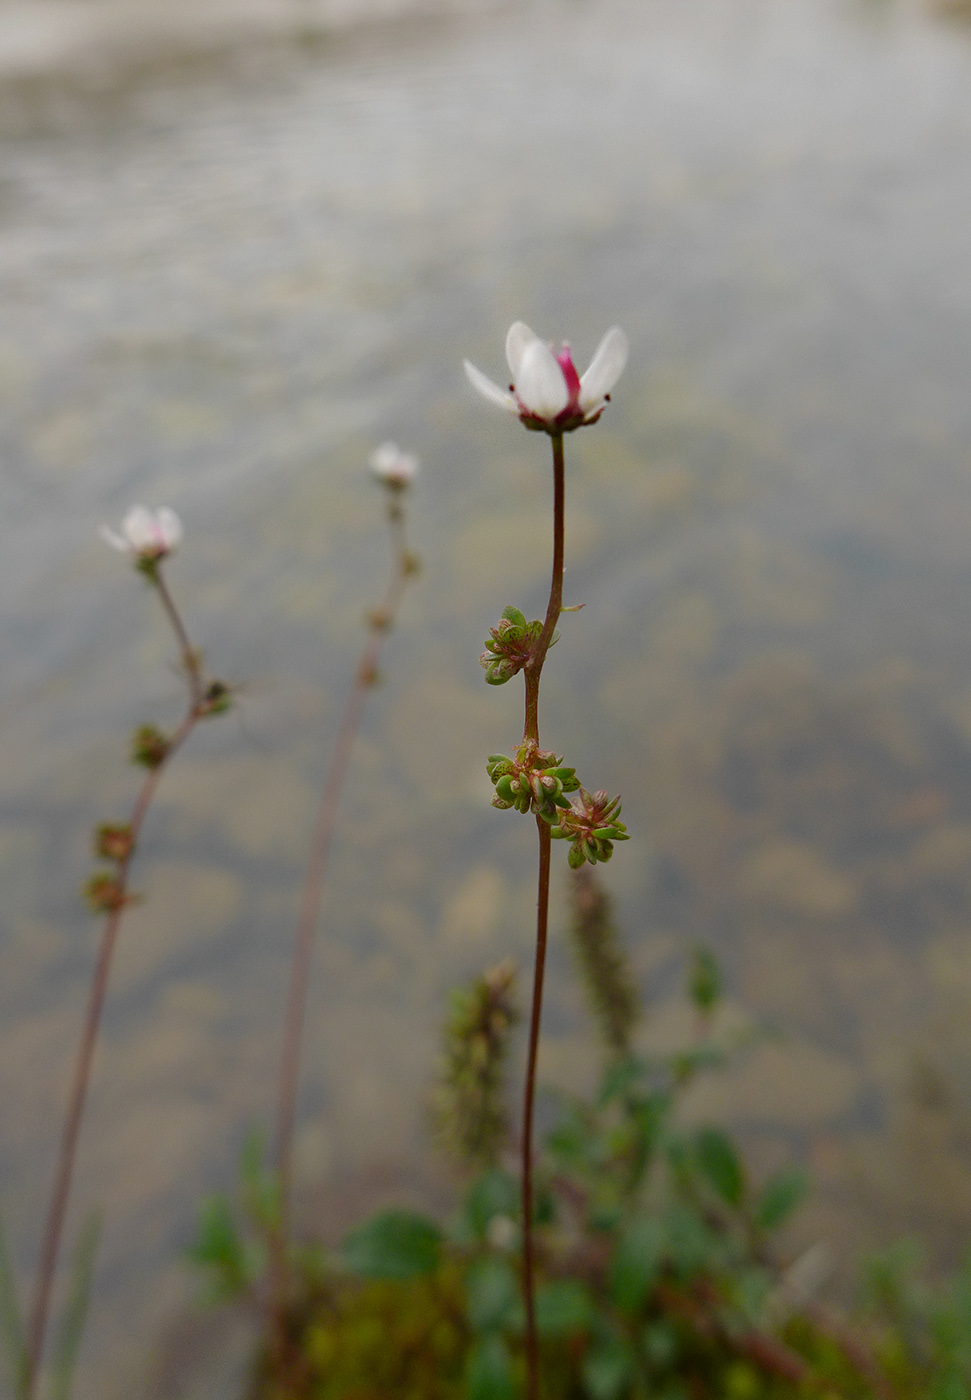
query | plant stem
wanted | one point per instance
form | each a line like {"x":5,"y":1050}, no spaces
{"x":533,"y":672}
{"x":534,"y":667}
{"x":309,"y":916}
{"x":81,"y":1078}
{"x":529,"y":1263}
{"x":190,"y":657}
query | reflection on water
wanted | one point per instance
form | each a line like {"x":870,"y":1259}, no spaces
{"x":219,"y":293}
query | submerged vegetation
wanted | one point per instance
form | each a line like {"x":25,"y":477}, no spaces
{"x":665,"y":1265}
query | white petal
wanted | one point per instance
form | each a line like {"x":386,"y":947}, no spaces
{"x":115,"y":540}
{"x":518,"y":340}
{"x":169,"y":526}
{"x":138,"y":527}
{"x":488,"y":390}
{"x":606,"y":367}
{"x":540,"y":383}
{"x":384,"y":458}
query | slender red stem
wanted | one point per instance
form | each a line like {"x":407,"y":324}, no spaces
{"x":529,"y":1260}
{"x":533,"y":672}
{"x":81,"y":1078}
{"x":311,"y":899}
{"x":190,"y":657}
{"x":534,"y":667}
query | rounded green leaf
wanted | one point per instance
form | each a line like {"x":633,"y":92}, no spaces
{"x":394,"y":1244}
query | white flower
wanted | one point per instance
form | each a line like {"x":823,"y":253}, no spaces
{"x":393,"y":467}
{"x":147,"y":535}
{"x":546,"y":392}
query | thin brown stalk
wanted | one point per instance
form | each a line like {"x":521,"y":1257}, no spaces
{"x":529,"y":1260}
{"x":81,"y":1078}
{"x":533,"y":672}
{"x":190,"y":657}
{"x":534,"y":666}
{"x":310,"y":905}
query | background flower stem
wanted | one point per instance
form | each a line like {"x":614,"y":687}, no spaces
{"x":309,"y":916}
{"x":81,"y":1078}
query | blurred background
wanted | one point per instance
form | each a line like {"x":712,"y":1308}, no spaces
{"x":242,"y":242}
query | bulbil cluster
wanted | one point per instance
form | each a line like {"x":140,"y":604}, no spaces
{"x":591,"y":822}
{"x":510,"y":646}
{"x":105,"y":892}
{"x":533,"y":780}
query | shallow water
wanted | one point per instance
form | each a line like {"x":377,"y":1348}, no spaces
{"x":223,"y":283}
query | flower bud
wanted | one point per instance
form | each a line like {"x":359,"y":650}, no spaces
{"x":146,"y":535}
{"x":113,"y":842}
{"x":393,"y":468}
{"x":150,"y":747}
{"x":104,"y":894}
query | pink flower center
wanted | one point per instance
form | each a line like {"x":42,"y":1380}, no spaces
{"x":565,"y":362}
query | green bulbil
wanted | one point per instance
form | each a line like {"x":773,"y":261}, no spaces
{"x":592,"y":825}
{"x":534,"y":780}
{"x":510,"y":646}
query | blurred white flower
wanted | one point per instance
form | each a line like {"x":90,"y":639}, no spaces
{"x":147,"y":535}
{"x":393,"y":467}
{"x":546,"y":392}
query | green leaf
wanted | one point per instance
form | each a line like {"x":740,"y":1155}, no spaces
{"x":779,"y":1197}
{"x":720,"y":1166}
{"x":514,"y":616}
{"x":491,"y":1294}
{"x":394,"y":1244}
{"x":495,"y":1193}
{"x":636,"y":1263}
{"x":76,"y":1310}
{"x":608,"y":1368}
{"x":489,"y":1375}
{"x":563,"y":1307}
{"x":220,"y":1249}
